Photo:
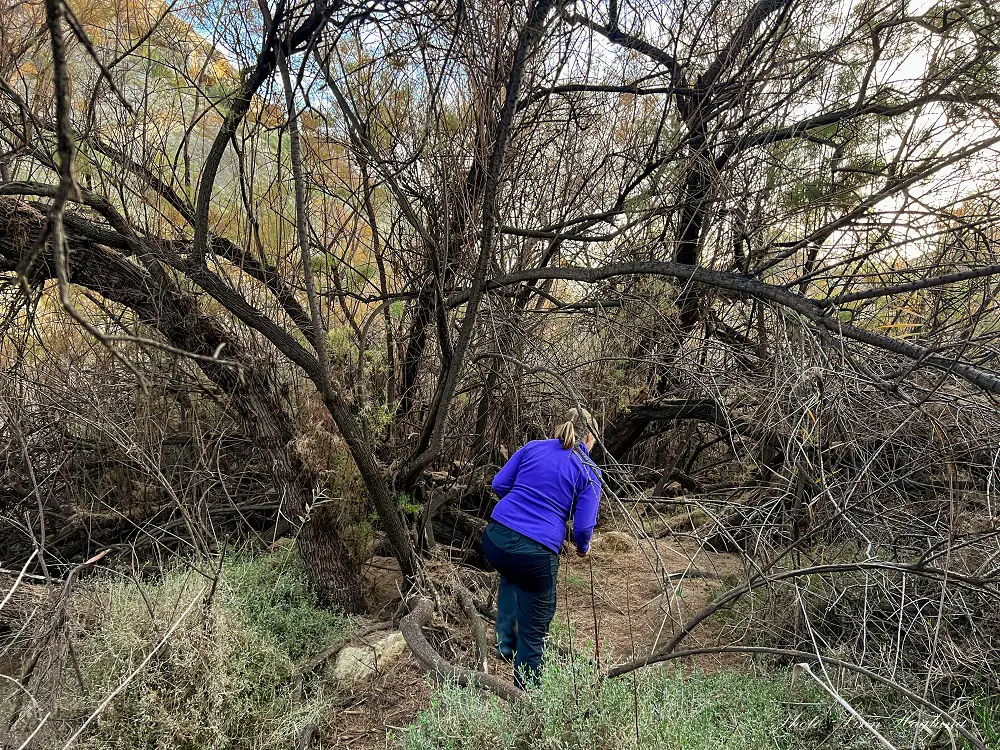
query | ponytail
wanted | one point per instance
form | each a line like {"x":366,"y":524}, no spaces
{"x":567,"y":433}
{"x":576,"y":422}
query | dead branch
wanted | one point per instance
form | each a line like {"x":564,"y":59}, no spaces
{"x":465,"y":600}
{"x":334,"y":648}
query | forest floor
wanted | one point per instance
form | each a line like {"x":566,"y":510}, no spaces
{"x":616,"y":598}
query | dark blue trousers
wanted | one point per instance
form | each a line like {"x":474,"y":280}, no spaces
{"x":527,"y":599}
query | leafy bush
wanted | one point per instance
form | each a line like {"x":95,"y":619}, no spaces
{"x":656,"y":708}
{"x":224,"y":680}
{"x":271,"y":596}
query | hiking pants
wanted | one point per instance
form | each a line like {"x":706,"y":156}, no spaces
{"x":526,"y":602}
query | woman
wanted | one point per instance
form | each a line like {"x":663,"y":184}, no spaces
{"x":542,"y":485}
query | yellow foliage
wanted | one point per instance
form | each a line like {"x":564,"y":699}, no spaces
{"x":126,"y":20}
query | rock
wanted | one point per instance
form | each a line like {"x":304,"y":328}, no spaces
{"x":616,"y":541}
{"x":355,"y":663}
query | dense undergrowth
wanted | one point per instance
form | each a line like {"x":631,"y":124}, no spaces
{"x":222,"y":680}
{"x":197,"y":666}
{"x":655,"y":708}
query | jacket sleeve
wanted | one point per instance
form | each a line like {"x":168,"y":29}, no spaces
{"x":505,"y":478}
{"x":588,"y":500}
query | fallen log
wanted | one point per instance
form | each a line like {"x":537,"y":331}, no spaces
{"x":457,"y":528}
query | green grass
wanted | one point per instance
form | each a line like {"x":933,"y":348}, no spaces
{"x":225,"y":680}
{"x":986,"y":710}
{"x":658,"y":708}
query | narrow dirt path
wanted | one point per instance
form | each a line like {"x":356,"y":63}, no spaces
{"x":616,"y":597}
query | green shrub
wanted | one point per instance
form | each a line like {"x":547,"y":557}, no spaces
{"x":271,"y":596}
{"x":224,"y":680}
{"x":657,"y":708}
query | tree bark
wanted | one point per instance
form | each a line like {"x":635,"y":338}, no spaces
{"x":159,"y":303}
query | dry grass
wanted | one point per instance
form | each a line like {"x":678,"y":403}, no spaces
{"x":221,"y":674}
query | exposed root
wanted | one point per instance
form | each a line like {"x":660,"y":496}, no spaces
{"x":412,"y":626}
{"x":465,"y":599}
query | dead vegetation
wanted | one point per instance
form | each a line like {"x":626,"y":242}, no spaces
{"x":312,"y":272}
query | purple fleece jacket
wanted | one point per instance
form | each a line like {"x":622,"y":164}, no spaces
{"x":541,"y":486}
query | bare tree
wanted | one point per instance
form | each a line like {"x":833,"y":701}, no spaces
{"x":428,"y":221}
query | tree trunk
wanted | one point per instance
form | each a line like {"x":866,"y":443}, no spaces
{"x":331,"y":562}
{"x":158,"y":302}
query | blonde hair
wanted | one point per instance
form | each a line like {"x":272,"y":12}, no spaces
{"x":576,"y":422}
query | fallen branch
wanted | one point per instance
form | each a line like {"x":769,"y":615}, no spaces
{"x":680,"y":574}
{"x":57,"y":617}
{"x":411,"y":627}
{"x":308,"y":667}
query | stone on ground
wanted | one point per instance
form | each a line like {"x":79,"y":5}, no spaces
{"x":356,"y":663}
